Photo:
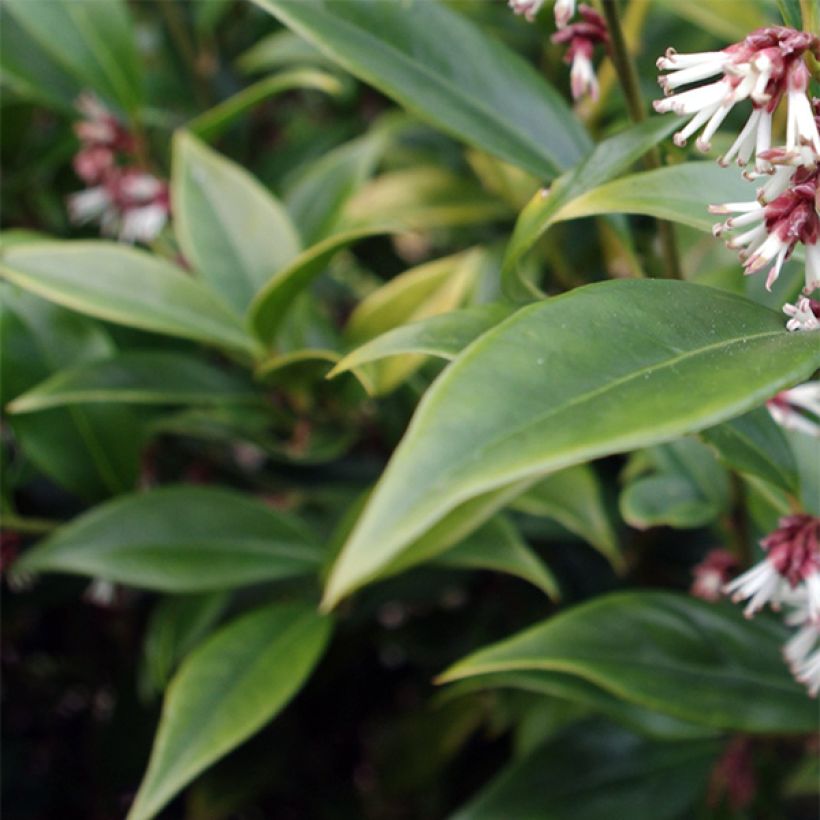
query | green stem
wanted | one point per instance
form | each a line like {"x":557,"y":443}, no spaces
{"x":628,"y":76}
{"x":32,"y":526}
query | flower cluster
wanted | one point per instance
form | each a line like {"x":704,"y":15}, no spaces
{"x":712,"y":574}
{"x":789,"y":575}
{"x":798,"y":409}
{"x":765,"y":68}
{"x":127,"y":201}
{"x":582,"y":38}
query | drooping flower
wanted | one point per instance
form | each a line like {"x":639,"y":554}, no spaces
{"x":803,"y":315}
{"x":792,"y":562}
{"x":712,"y":574}
{"x":582,"y":38}
{"x":802,"y":650}
{"x":762,"y":68}
{"x":564,"y":10}
{"x":789,"y":218}
{"x":798,"y":409}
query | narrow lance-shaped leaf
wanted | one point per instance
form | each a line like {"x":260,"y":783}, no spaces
{"x":178,"y":539}
{"x":232,"y":230}
{"x":138,"y":377}
{"x":126,"y":286}
{"x":662,"y":359}
{"x":227,"y":690}
{"x":423,"y":55}
{"x":696,"y":660}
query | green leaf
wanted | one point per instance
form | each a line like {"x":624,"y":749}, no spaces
{"x":498,"y":546}
{"x":423,"y":198}
{"x":126,"y":286}
{"x":91,"y":451}
{"x":679,"y":193}
{"x":608,"y":159}
{"x":754,"y":444}
{"x":178,"y":539}
{"x":231,"y":229}
{"x":93,"y":42}
{"x":729,"y":21}
{"x":663,"y":359}
{"x":594,"y":771}
{"x":697,"y":661}
{"x":444,"y":336}
{"x":689,"y":488}
{"x":281,"y":48}
{"x":423,"y":55}
{"x":138,"y":377}
{"x":317,"y":198}
{"x":806,"y":451}
{"x":427,"y":290}
{"x":574,"y":498}
{"x":215,"y":121}
{"x":227,"y":690}
{"x":272,"y":303}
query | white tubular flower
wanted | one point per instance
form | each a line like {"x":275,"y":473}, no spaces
{"x":564,"y":11}
{"x":803,"y":315}
{"x":758,"y":68}
{"x":528,"y":8}
{"x":89,"y":205}
{"x":801,"y":128}
{"x":582,"y":38}
{"x":793,"y":409}
{"x":143,"y":224}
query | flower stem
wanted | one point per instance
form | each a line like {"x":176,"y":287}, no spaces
{"x":628,"y":75}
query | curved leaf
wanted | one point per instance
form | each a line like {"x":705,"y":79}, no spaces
{"x":423,"y":55}
{"x":664,"y":358}
{"x":178,"y":539}
{"x":138,"y":377}
{"x":126,"y":286}
{"x":232,"y":230}
{"x":697,"y":661}
{"x":227,"y":690}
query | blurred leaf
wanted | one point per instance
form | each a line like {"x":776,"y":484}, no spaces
{"x":665,"y":358}
{"x":444,"y":336}
{"x":208,"y":14}
{"x":732,"y":19}
{"x":608,"y":159}
{"x":178,"y":539}
{"x":755,"y":444}
{"x":316,"y":200}
{"x":498,"y":546}
{"x":574,"y":498}
{"x":92,"y":41}
{"x":271,"y":304}
{"x":281,"y":48}
{"x":227,"y":690}
{"x":431,"y":289}
{"x":125,"y":286}
{"x":594,"y":771}
{"x":231,"y":229}
{"x":138,"y":377}
{"x":176,"y":626}
{"x":688,"y":488}
{"x":806,"y":451}
{"x":422,"y":198}
{"x":423,"y":55}
{"x":697,"y":661}
{"x":91,"y":451}
{"x":215,"y":121}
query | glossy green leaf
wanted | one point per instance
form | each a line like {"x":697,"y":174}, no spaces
{"x":230,"y":228}
{"x":754,"y":444}
{"x":271,"y":304}
{"x":423,"y":198}
{"x":227,"y":690}
{"x":431,"y":289}
{"x":215,"y":121}
{"x":574,"y":498}
{"x":423,"y":55}
{"x":665,"y":358}
{"x":444,"y":336}
{"x":92,"y":451}
{"x":93,"y":42}
{"x":687,"y":489}
{"x":126,"y":286}
{"x":594,"y":771}
{"x":137,"y":377}
{"x":178,"y":539}
{"x":281,"y":49}
{"x":498,"y":546}
{"x":695,"y":660}
{"x":679,"y":193}
{"x":609,"y":158}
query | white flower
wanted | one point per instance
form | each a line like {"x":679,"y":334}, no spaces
{"x":89,"y":205}
{"x":583,"y":80}
{"x":564,"y":11}
{"x":789,"y":407}
{"x":802,"y":315}
{"x":143,"y":224}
